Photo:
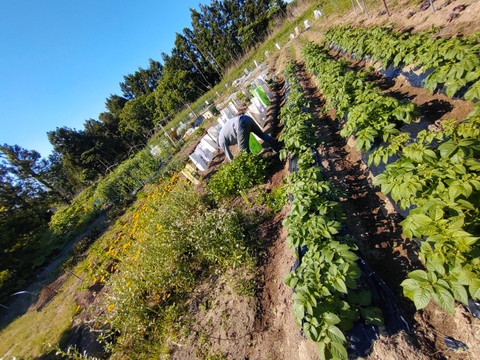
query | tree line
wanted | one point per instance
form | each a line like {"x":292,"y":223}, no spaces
{"x":30,"y":186}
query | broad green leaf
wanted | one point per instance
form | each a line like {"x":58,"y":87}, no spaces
{"x":436,"y":213}
{"x":421,"y":297}
{"x":308,"y":307}
{"x":291,"y":280}
{"x":452,"y":90}
{"x":408,"y":293}
{"x":314,"y":335}
{"x":351,"y":283}
{"x":330,"y":318}
{"x":321,"y":350}
{"x":350,"y":255}
{"x":474,"y":289}
{"x":446,"y":149}
{"x":466,"y":277}
{"x":410,"y":284}
{"x":459,"y":292}
{"x":421,"y":219}
{"x":444,"y":298}
{"x":419,"y":275}
{"x":435,"y":266}
{"x":431,"y":276}
{"x":373,"y":315}
{"x":339,"y":285}
{"x":455,"y":191}
{"x":338,"y":351}
{"x":335,"y":334}
{"x":443,"y":284}
{"x":364,"y":298}
{"x":427,"y":230}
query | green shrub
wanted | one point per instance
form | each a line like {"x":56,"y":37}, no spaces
{"x":244,"y":172}
{"x":72,"y":219}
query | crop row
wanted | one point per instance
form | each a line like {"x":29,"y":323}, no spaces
{"x":452,"y":63}
{"x":371,"y":116}
{"x":327,"y":298}
{"x":437,"y":176}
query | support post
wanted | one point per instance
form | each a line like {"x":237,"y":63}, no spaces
{"x":386,"y":7}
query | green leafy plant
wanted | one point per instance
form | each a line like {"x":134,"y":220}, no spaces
{"x":298,"y":134}
{"x":327,"y":300}
{"x":244,"y":172}
{"x":437,"y":172}
{"x":371,"y":116}
{"x":452,"y":63}
{"x":167,"y":246}
{"x":443,"y":185}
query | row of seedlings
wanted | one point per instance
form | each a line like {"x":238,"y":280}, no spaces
{"x":327,"y":296}
{"x":437,"y":177}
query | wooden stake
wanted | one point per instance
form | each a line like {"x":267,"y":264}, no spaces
{"x":386,"y":8}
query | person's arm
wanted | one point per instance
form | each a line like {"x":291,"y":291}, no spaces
{"x":225,"y":149}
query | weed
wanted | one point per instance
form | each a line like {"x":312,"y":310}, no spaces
{"x":171,"y":242}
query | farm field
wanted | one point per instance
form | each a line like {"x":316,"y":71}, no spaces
{"x":235,"y":303}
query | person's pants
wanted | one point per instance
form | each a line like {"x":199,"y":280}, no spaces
{"x":247,"y":125}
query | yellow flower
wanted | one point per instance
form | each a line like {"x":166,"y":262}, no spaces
{"x":110,"y":307}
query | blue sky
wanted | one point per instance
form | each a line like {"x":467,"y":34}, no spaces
{"x":60,"y":59}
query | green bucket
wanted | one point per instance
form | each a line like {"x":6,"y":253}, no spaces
{"x":254,"y":145}
{"x":261,"y":95}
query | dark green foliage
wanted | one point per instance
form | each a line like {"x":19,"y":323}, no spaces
{"x":326,"y":301}
{"x":437,"y":172}
{"x":244,"y":172}
{"x":142,"y":82}
{"x":371,"y":116}
{"x":455,"y":61}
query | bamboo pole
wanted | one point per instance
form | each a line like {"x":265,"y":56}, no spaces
{"x":360,"y":6}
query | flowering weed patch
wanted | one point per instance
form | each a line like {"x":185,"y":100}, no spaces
{"x":171,"y":242}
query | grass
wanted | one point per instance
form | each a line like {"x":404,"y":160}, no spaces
{"x":36,"y":333}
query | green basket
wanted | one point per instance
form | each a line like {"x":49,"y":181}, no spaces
{"x":254,"y":145}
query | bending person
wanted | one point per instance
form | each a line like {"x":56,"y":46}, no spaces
{"x":237,"y":131}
